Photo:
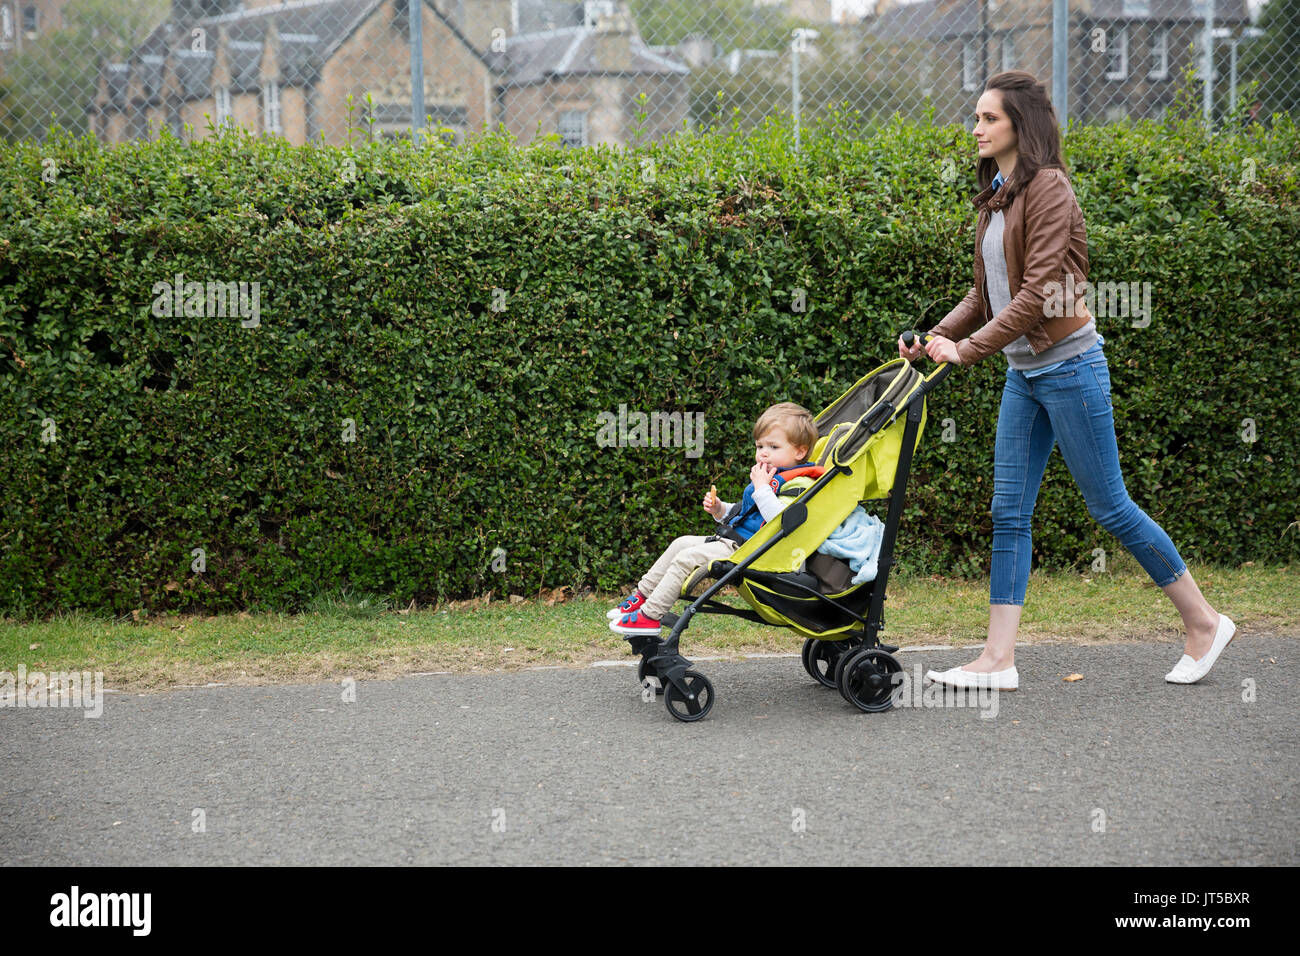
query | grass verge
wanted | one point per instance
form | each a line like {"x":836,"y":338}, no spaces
{"x":363,"y":640}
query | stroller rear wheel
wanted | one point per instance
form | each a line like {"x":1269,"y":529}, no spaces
{"x":803,"y":657}
{"x":694,"y":706}
{"x":867,"y":681}
{"x":821,"y":658}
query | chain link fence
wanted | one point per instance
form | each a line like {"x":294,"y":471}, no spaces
{"x":619,"y":72}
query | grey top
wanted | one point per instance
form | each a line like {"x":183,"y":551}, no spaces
{"x":1019,"y":354}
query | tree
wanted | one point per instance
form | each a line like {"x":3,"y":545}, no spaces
{"x":732,"y":24}
{"x":1274,"y":59}
{"x":59,"y":71}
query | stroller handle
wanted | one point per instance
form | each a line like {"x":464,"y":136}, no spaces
{"x":940,"y":373}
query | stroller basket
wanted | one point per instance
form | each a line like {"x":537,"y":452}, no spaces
{"x":800,"y":601}
{"x":866,"y":439}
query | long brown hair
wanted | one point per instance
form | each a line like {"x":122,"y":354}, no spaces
{"x":1038,"y":132}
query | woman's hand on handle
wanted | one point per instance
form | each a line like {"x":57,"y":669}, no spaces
{"x":941,"y":349}
{"x":912,"y":353}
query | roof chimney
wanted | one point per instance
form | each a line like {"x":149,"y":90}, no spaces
{"x":612,"y":46}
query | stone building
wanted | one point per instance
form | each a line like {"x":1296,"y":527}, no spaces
{"x":23,"y":21}
{"x":1126,"y":56}
{"x":289,"y":68}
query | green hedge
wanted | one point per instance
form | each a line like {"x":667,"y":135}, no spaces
{"x":660,"y":278}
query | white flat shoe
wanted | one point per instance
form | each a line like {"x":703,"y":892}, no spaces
{"x":1184,"y":662}
{"x":1008,"y":679}
{"x":1188,"y":671}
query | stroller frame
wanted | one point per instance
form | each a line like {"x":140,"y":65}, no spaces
{"x":854,"y":660}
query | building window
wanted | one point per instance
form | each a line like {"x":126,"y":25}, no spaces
{"x":1159,"y":54}
{"x":573,"y":127}
{"x":969,"y":78}
{"x":29,"y":22}
{"x":1117,"y":54}
{"x":1008,"y":52}
{"x":6,"y":26}
{"x":222,"y":97}
{"x":271,"y":108}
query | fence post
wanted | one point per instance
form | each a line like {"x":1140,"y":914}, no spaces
{"x":416,"y":9}
{"x":1207,"y":90}
{"x":1061,"y":61}
{"x":795,"y":104}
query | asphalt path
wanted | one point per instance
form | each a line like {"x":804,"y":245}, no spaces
{"x":575,"y":766}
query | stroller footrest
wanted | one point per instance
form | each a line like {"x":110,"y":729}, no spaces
{"x":640,"y":642}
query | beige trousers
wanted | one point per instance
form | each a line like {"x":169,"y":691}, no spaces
{"x":662,"y":584}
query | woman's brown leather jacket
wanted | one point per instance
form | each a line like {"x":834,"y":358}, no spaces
{"x":1047,"y":258}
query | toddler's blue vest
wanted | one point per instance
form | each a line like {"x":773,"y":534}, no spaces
{"x":748,"y":519}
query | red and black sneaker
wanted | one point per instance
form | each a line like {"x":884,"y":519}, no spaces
{"x":636,"y":623}
{"x":629,"y":605}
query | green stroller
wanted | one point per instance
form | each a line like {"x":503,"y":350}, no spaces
{"x":866,"y":438}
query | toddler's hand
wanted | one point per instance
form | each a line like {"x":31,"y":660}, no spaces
{"x":761,"y":474}
{"x":711,"y":503}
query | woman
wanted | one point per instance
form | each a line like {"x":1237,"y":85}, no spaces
{"x":1029,"y":236}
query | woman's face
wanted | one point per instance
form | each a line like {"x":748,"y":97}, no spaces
{"x":993,"y":131}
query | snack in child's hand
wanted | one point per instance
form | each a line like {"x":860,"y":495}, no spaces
{"x":713,"y":490}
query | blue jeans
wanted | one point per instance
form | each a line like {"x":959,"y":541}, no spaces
{"x":1071,"y":406}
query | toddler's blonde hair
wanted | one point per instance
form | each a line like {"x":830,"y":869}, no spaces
{"x":795,"y":421}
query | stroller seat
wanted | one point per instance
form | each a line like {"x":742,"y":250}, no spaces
{"x":788,"y":583}
{"x":866,"y":439}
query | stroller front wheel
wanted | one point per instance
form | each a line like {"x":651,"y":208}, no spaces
{"x":693,"y":705}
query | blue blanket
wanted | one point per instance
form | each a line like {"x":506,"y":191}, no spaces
{"x":857,"y":540}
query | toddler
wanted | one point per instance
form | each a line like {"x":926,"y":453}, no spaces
{"x":783,"y":436}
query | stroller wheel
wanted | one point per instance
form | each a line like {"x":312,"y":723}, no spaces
{"x":867,"y":679}
{"x":821,"y":658}
{"x":820,"y":661}
{"x":694,"y":707}
{"x":642,"y":672}
{"x":805,"y":657}
{"x":848,"y":646}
